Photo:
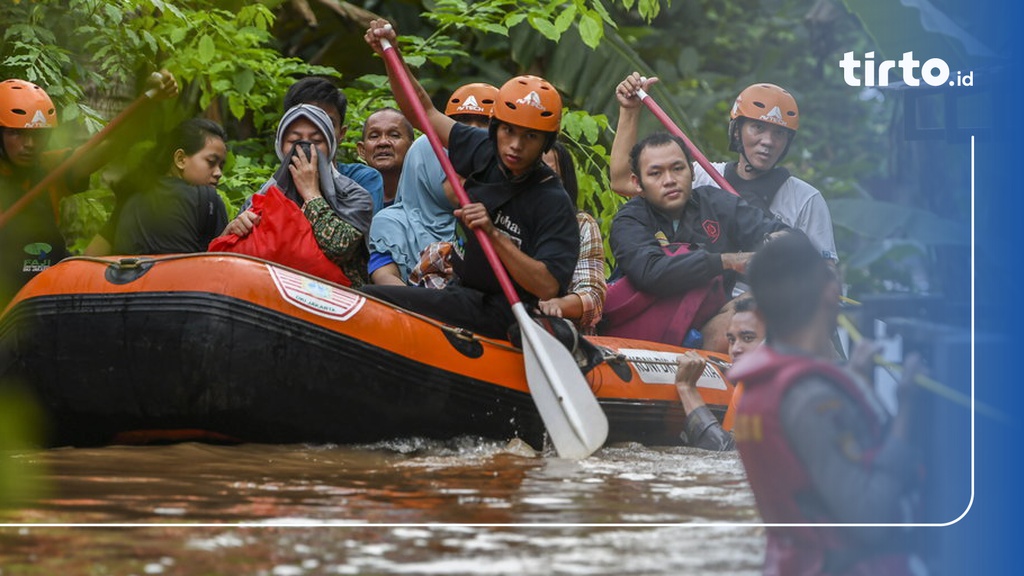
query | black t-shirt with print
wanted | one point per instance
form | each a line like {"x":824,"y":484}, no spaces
{"x":31,"y":241}
{"x":534,"y":211}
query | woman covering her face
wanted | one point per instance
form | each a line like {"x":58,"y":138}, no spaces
{"x":338,"y":209}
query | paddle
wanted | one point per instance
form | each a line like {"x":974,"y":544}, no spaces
{"x":63,"y":167}
{"x":690,"y":147}
{"x":574,"y":420}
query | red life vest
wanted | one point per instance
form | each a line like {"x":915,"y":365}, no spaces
{"x":778,"y":478}
{"x":630,"y":313}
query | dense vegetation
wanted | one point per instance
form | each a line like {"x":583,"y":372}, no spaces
{"x":234,"y":60}
{"x":899,"y":205}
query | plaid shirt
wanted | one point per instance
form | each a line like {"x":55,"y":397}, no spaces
{"x":340,"y":241}
{"x":433,"y":269}
{"x":588,"y":280}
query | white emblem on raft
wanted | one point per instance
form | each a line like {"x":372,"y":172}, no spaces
{"x":315,"y":296}
{"x":655,"y":367}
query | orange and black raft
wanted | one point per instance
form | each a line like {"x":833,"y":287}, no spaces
{"x":230,"y":348}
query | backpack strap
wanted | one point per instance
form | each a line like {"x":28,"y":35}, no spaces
{"x":206,"y":213}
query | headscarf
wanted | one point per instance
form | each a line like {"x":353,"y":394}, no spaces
{"x":314,"y":114}
{"x":348,"y":199}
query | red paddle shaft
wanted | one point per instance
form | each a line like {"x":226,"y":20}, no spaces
{"x":671,"y":126}
{"x":394,"y":62}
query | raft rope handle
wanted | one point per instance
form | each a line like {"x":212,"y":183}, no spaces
{"x":895,"y":371}
{"x":130,"y":263}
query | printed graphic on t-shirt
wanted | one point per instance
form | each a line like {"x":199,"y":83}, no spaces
{"x":39,"y":261}
{"x":509,"y":228}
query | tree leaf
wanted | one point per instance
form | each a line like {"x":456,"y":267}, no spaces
{"x":591,"y":30}
{"x":495,"y":28}
{"x":546,"y":28}
{"x":206,"y":50}
{"x":515,"y":18}
{"x":244,"y":80}
{"x":590,"y":128}
{"x":565,"y":19}
{"x":237,"y":106}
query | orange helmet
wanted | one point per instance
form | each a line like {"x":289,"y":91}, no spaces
{"x":25,"y":105}
{"x":476,"y":99}
{"x":768,"y":103}
{"x":530,"y":102}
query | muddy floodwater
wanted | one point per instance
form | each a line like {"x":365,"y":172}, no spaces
{"x":465,"y":506}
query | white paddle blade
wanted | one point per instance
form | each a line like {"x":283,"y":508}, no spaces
{"x":574,"y":420}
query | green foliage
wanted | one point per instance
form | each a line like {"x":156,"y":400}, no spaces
{"x":551,"y":19}
{"x":250,"y":163}
{"x":581,"y":134}
{"x":21,"y":430}
{"x":83,"y":215}
{"x":232,"y":69}
{"x":226,"y":62}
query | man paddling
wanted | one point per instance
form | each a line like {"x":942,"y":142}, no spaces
{"x":31,"y":241}
{"x":817,"y":445}
{"x":518,"y":201}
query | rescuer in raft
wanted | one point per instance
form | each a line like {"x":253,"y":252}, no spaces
{"x":763,"y":121}
{"x":517,"y":200}
{"x":31,"y":241}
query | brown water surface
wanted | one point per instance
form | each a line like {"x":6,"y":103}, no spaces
{"x":466,"y":506}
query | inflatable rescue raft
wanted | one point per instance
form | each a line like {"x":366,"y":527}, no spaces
{"x":230,"y":348}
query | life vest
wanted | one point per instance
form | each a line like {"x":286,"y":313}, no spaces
{"x":630,"y":313}
{"x":780,"y":481}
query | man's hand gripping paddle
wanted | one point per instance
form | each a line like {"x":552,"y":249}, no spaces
{"x":574,"y":420}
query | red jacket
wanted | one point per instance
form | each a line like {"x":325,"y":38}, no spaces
{"x":779,"y":479}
